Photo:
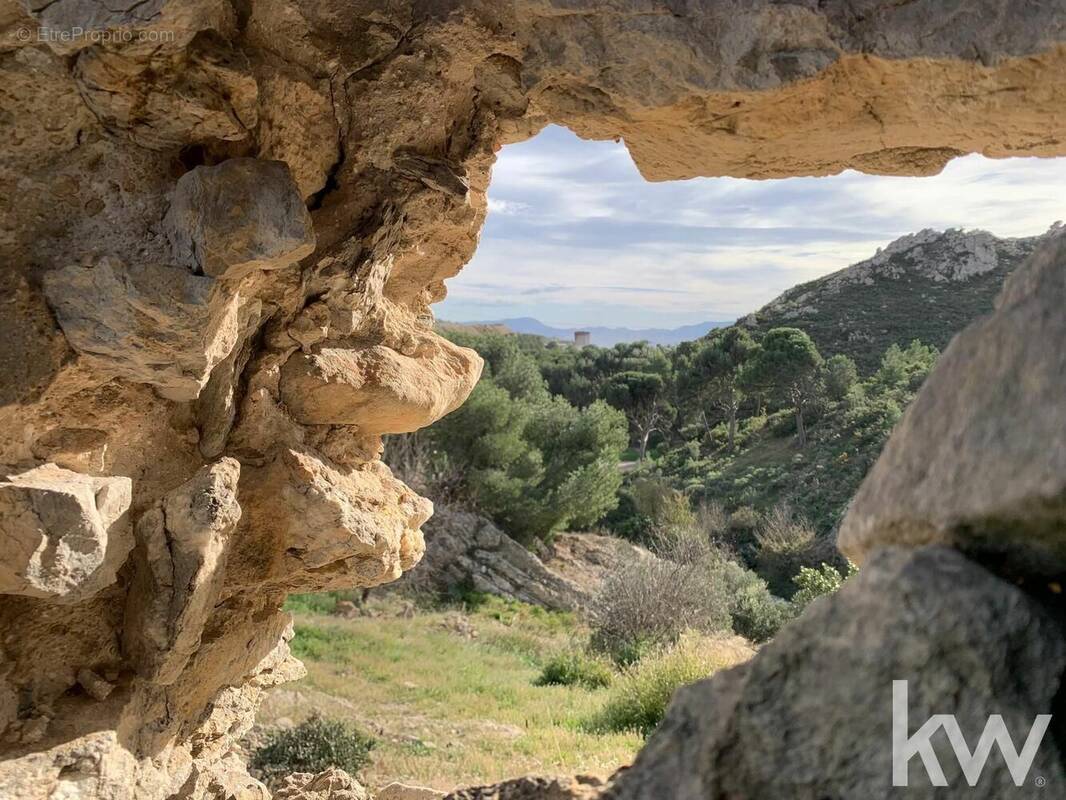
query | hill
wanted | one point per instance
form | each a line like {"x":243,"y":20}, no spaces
{"x":927,"y":285}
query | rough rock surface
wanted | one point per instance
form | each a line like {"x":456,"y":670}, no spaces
{"x":146,"y":323}
{"x":979,"y":460}
{"x":579,"y":788}
{"x":333,"y":784}
{"x":776,"y":728}
{"x":65,"y":534}
{"x":387,"y":115}
{"x":466,"y":549}
{"x":238,"y":216}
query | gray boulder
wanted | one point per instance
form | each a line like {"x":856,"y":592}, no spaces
{"x":979,"y":459}
{"x":810,"y":717}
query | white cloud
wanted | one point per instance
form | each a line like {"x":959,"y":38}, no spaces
{"x":576,"y":236}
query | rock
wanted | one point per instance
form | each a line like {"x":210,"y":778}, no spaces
{"x":180,"y":563}
{"x":95,"y":686}
{"x":76,"y":449}
{"x":463,"y":548}
{"x":979,"y":459}
{"x":239,"y":216}
{"x":309,"y":142}
{"x":172,"y":96}
{"x":336,"y":527}
{"x":66,"y":534}
{"x":146,"y":323}
{"x":333,"y":784}
{"x":401,"y":791}
{"x":776,"y":727}
{"x":583,"y":787}
{"x":100,"y":130}
{"x":378,"y":389}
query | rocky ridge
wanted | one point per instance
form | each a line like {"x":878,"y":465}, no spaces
{"x":227,"y":227}
{"x":929,"y":284}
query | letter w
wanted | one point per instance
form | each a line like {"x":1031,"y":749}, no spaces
{"x":996,"y":732}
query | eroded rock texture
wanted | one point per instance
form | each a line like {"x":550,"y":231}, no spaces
{"x":223,"y":228}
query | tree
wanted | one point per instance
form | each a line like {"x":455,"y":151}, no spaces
{"x":787,"y":364}
{"x":641,"y":396}
{"x":841,"y":375}
{"x":906,"y":367}
{"x":712,"y":373}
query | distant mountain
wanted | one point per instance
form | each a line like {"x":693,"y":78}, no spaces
{"x":927,"y":285}
{"x":608,"y":337}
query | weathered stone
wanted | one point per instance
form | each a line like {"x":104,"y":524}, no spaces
{"x":401,"y":791}
{"x":378,"y":389}
{"x":464,"y":548}
{"x":583,"y":787}
{"x":66,"y":534}
{"x":77,"y":449}
{"x":180,"y":562}
{"x":170,"y":95}
{"x":239,"y":216}
{"x":979,"y":459}
{"x":811,"y":715}
{"x":333,"y":784}
{"x":331,"y":526}
{"x":146,"y":323}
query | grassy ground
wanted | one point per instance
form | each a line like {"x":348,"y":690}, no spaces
{"x":449,"y":693}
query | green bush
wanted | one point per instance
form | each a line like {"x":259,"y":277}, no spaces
{"x":576,"y":668}
{"x":814,"y":583}
{"x":638,"y":700}
{"x":313,"y":746}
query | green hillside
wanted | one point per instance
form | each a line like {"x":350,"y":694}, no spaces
{"x":928,"y":286}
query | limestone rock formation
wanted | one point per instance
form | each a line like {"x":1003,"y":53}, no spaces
{"x":146,"y":323}
{"x":401,"y":791}
{"x":579,"y":788}
{"x":978,"y":460}
{"x":238,"y":216}
{"x":466,"y":549}
{"x":333,"y":784}
{"x":378,"y":389}
{"x":65,"y":534}
{"x":776,"y":728}
{"x":125,"y":360}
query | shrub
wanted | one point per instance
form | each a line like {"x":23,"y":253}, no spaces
{"x":814,"y":583}
{"x":639,"y":699}
{"x":785,"y":543}
{"x":576,"y":668}
{"x":651,"y":602}
{"x":313,"y":746}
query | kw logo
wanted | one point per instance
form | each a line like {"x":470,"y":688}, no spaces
{"x":905,"y":747}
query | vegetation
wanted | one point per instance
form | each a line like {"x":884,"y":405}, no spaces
{"x":449,"y":691}
{"x":533,"y":462}
{"x":576,"y":668}
{"x":638,"y":700}
{"x":313,"y":746}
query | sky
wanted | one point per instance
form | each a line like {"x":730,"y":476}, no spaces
{"x":575,"y":237}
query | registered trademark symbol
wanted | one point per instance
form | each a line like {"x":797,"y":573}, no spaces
{"x":1041,"y":782}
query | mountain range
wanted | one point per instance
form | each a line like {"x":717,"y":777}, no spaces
{"x":602,"y":336}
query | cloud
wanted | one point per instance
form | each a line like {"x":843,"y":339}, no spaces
{"x":575,"y":236}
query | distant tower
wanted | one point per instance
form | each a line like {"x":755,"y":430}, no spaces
{"x":582,"y":338}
